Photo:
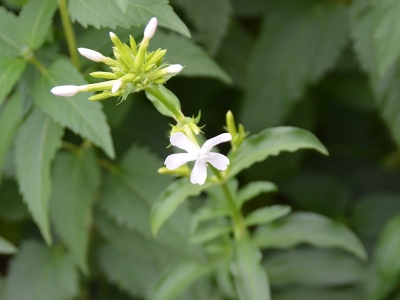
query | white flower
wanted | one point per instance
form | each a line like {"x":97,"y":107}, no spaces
{"x":91,"y":54}
{"x":202,"y":155}
{"x":174,"y":69}
{"x":150,"y":28}
{"x":65,"y":90}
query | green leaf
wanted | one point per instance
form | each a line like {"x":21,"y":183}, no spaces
{"x":207,"y":213}
{"x":131,"y":190}
{"x":163,"y":93}
{"x":318,"y":294}
{"x":11,"y":69}
{"x":35,"y":147}
{"x":10,"y":117}
{"x":267,"y":214}
{"x":12,"y":208}
{"x":310,"y":228}
{"x":138,"y":13}
{"x":183,"y":51}
{"x":313,"y":268}
{"x":284,"y":62}
{"x":250,"y":278}
{"x":122,"y":4}
{"x":75,"y":181}
{"x":386,"y":34}
{"x":388,"y":249}
{"x":9,"y":44}
{"x":6,"y":247}
{"x":211,"y":19}
{"x":41,"y":273}
{"x":178,"y":278}
{"x":82,"y":116}
{"x":272,"y":141}
{"x":34,"y":22}
{"x":253,"y":189}
{"x":171,"y":198}
{"x":209,"y":233}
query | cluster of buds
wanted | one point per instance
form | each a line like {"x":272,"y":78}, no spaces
{"x":132,"y":70}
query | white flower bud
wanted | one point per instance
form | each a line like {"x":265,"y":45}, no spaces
{"x":91,"y":54}
{"x":65,"y":90}
{"x":116,"y":86}
{"x":150,"y":28}
{"x":174,"y":69}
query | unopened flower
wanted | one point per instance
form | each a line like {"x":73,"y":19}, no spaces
{"x":150,"y":28}
{"x":202,"y":156}
{"x":91,"y":54}
{"x":174,"y":69}
{"x":65,"y":90}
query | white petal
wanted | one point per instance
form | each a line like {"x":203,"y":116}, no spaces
{"x":150,"y":28}
{"x":116,"y":86}
{"x":181,"y":141}
{"x":174,"y":161}
{"x":174,"y":69}
{"x":199,"y":173}
{"x":207,"y":146}
{"x":219,"y":161}
{"x":65,"y":90}
{"x":91,"y":54}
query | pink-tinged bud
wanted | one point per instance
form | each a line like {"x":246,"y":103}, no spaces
{"x":150,"y":28}
{"x":65,"y":90}
{"x":174,"y":69}
{"x":91,"y":54}
{"x":116,"y":86}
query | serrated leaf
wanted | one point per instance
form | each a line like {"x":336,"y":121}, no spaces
{"x":34,"y":21}
{"x":309,"y":228}
{"x":250,"y":278}
{"x":9,"y":45}
{"x":11,"y":69}
{"x":267,"y":214}
{"x":138,"y":13}
{"x":171,"y":198}
{"x":386,"y":33}
{"x":6,"y":247}
{"x":272,"y":141}
{"x":211,"y":18}
{"x":75,"y":181}
{"x":44,"y":273}
{"x":82,"y":116}
{"x":10,"y":117}
{"x":130,"y":192}
{"x":181,"y":50}
{"x":388,"y":249}
{"x":177,"y":279}
{"x":284,"y":62}
{"x":253,"y":189}
{"x":308,"y":267}
{"x":36,"y":144}
{"x":122,"y":4}
{"x":12,"y":208}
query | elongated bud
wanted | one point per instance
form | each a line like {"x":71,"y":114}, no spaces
{"x":123,"y":52}
{"x":159,"y":54}
{"x":133,"y":45}
{"x":104,"y":75}
{"x":150,"y":28}
{"x":116,"y":86}
{"x":230,"y":123}
{"x":65,"y":90}
{"x":174,"y":69}
{"x":101,"y":96}
{"x":91,"y":54}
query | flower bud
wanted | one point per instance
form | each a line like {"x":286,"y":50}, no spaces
{"x":150,"y":28}
{"x":116,"y":86}
{"x":123,"y":52}
{"x":100,"y":96}
{"x":65,"y":90}
{"x":91,"y":54}
{"x":157,"y":56}
{"x":174,"y":69}
{"x":104,"y":75}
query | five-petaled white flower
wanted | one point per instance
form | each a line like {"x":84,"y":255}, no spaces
{"x":202,"y":155}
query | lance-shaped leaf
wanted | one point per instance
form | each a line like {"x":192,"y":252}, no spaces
{"x":11,"y":69}
{"x":171,"y":198}
{"x":258,"y":147}
{"x":267,"y":214}
{"x":75,"y":180}
{"x":350,"y":293}
{"x":34,"y":21}
{"x":82,"y":116}
{"x":13,"y":209}
{"x":178,"y":278}
{"x":253,"y":189}
{"x":183,"y":51}
{"x":309,"y":228}
{"x":10,"y":117}
{"x":9,"y":45}
{"x":250,"y":278}
{"x":41,"y":273}
{"x":36,"y":144}
{"x":138,"y":13}
{"x":6,"y":247}
{"x":283,"y":62}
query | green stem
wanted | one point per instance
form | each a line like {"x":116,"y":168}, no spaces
{"x":156,"y":93}
{"x":69,"y":33}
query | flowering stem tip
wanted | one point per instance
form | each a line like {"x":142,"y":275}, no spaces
{"x":150,"y":28}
